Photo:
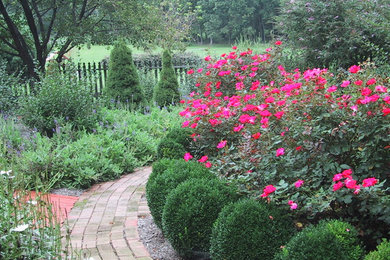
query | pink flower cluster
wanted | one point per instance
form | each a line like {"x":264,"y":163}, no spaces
{"x":345,"y":179}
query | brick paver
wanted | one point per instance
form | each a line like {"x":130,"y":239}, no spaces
{"x":103,"y":222}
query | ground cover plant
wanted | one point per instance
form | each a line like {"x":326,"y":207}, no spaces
{"x":311,"y":141}
{"x":121,"y":141}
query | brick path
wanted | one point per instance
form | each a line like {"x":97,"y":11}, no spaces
{"x":103,"y":223}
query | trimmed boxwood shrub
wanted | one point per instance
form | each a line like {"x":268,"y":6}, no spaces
{"x":180,"y":135}
{"x":167,"y":89}
{"x":158,"y":189}
{"x":245,"y":230}
{"x":329,"y":240}
{"x":160,"y":166}
{"x":168,"y":148}
{"x":190,"y":211}
{"x":382,"y":252}
{"x":122,"y":81}
{"x":175,"y":144}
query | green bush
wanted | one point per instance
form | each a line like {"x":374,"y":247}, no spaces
{"x":382,"y":252}
{"x":328,"y":240}
{"x":167,"y":89}
{"x":158,"y":188}
{"x":175,"y":144}
{"x":249,"y":230}
{"x":168,"y":148}
{"x":59,"y":98}
{"x":180,"y":135}
{"x":122,"y":81}
{"x":190,"y":211}
{"x":160,"y":166}
{"x":342,"y":32}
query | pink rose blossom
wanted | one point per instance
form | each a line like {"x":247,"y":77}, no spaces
{"x":354,"y":69}
{"x":221,"y":144}
{"x":188,"y":157}
{"x":279,"y":152}
{"x":203,"y":159}
{"x":298,"y":183}
{"x":369,"y":182}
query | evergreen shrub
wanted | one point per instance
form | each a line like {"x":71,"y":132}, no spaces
{"x":382,"y":252}
{"x":329,"y":240}
{"x":167,"y":89}
{"x":180,"y":135}
{"x":159,"y":187}
{"x":250,"y":229}
{"x":123,"y":82}
{"x":168,"y":148}
{"x":190,"y":211}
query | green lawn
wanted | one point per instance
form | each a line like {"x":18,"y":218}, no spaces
{"x":96,"y":53}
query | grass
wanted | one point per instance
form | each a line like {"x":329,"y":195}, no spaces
{"x":96,"y":53}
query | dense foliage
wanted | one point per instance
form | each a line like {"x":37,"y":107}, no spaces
{"x":312,"y":141}
{"x":338,"y":32}
{"x":382,"y":252}
{"x":167,"y":89}
{"x":250,"y":229}
{"x":324,"y":241}
{"x":122,"y":82}
{"x":157,"y":189}
{"x":58,"y":99}
{"x":190,"y":211}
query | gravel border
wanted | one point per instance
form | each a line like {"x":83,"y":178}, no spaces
{"x":155,"y":242}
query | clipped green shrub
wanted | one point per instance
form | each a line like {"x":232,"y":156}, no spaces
{"x":59,"y":98}
{"x":167,"y":89}
{"x":382,"y":252}
{"x":175,"y":143}
{"x":249,"y":229}
{"x":329,"y":240}
{"x":180,"y":135}
{"x":122,"y":81}
{"x":168,"y":148}
{"x":159,"y":187}
{"x":159,"y":167}
{"x":190,"y":211}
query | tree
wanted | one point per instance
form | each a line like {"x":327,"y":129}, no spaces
{"x":167,"y":89}
{"x":123,"y":82}
{"x":229,"y":20}
{"x":31,"y":29}
{"x":337,"y":32}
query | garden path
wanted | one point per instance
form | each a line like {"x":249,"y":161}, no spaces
{"x":103,"y":223}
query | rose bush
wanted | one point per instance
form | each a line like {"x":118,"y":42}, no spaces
{"x":263,"y":126}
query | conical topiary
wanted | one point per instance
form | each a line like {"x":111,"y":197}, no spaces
{"x":122,"y":82}
{"x":167,"y":90}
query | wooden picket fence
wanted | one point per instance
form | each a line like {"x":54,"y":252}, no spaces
{"x":95,"y":74}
